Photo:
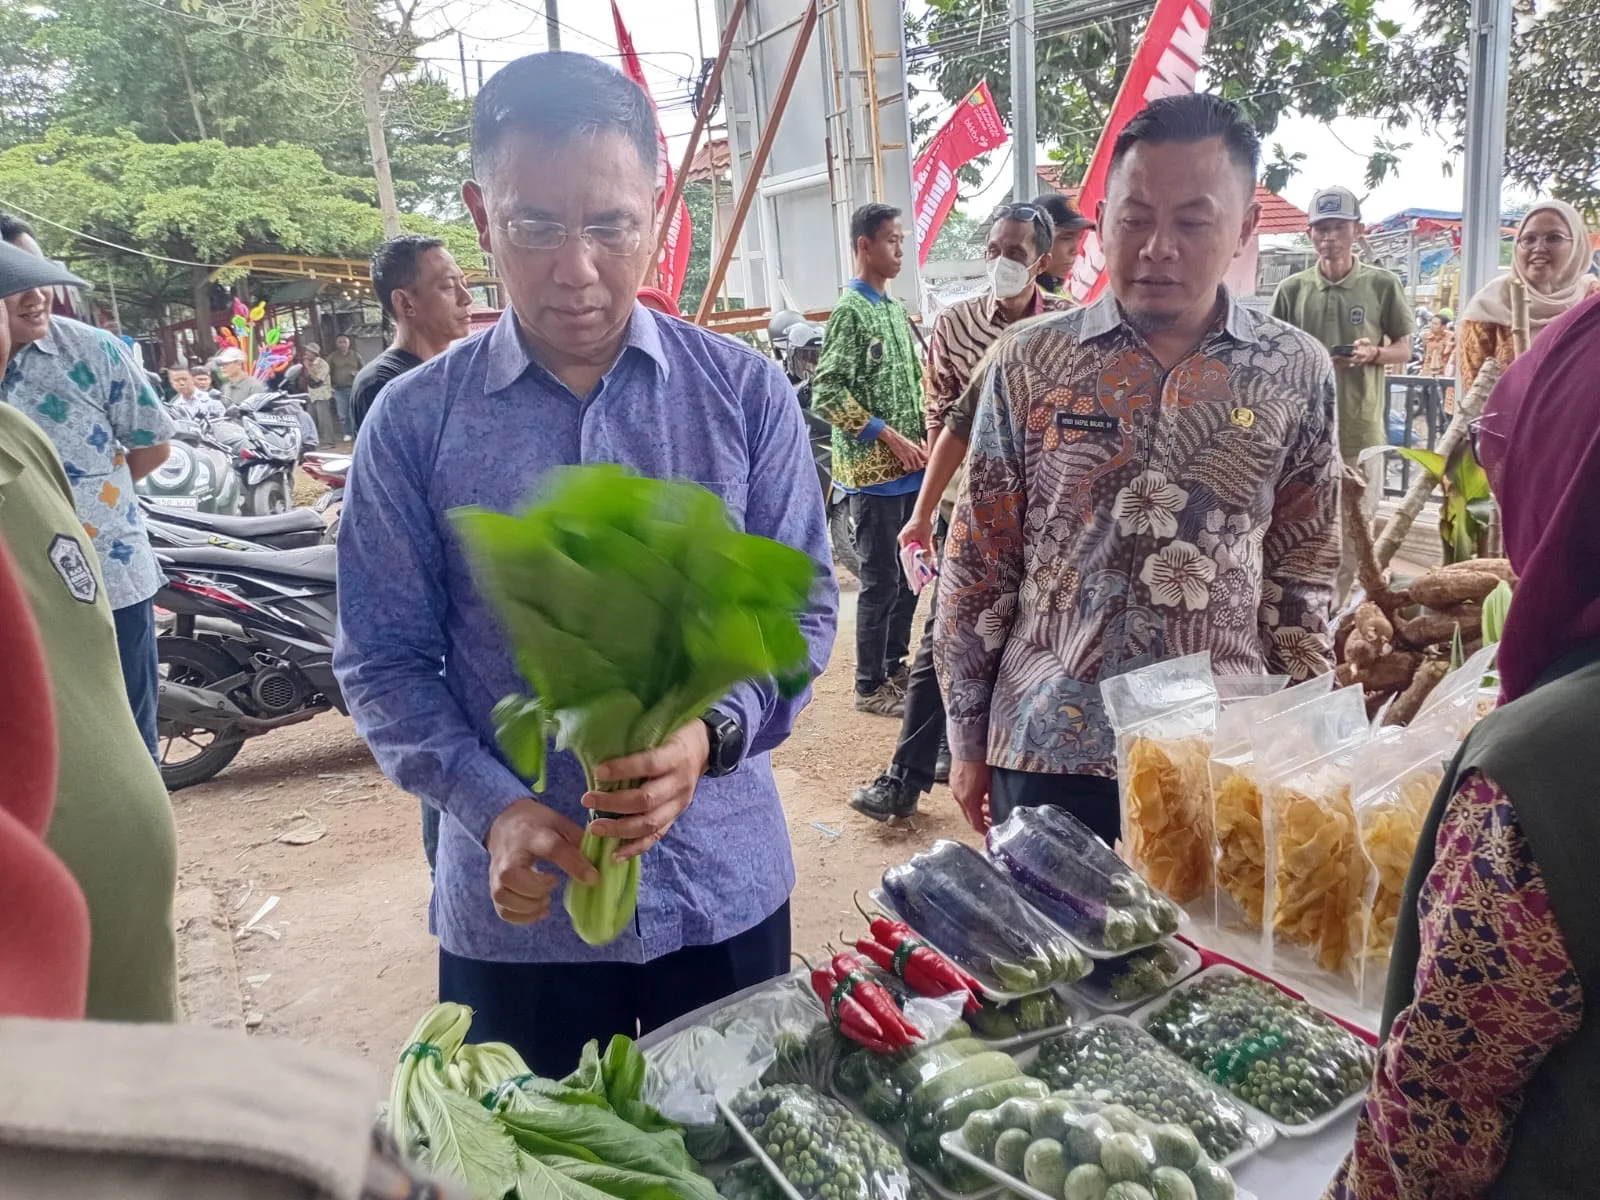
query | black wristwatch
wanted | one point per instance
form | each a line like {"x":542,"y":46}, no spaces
{"x":726,"y":738}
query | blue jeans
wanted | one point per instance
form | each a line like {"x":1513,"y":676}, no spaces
{"x":341,"y":405}
{"x":136,"y":647}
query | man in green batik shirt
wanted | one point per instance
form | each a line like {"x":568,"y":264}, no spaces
{"x":1360,"y":313}
{"x":868,"y":385}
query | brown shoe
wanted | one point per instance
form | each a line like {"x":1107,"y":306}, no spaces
{"x":887,"y":701}
{"x":901,"y":679}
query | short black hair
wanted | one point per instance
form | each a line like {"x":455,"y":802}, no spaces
{"x":1189,"y":118}
{"x":559,"y":95}
{"x":868,"y":219}
{"x":394,"y":265}
{"x":11,"y":227}
{"x":1038,"y":218}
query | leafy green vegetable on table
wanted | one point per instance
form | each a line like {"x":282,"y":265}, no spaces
{"x":478,"y":1115}
{"x":632,"y":605}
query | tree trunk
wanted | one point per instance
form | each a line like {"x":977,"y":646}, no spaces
{"x":200,"y":281}
{"x":372,"y":107}
{"x":188,"y":84}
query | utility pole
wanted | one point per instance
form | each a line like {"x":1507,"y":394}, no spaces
{"x":1488,"y":66}
{"x":552,"y":25}
{"x":1023,"y":137}
{"x":461,"y":49}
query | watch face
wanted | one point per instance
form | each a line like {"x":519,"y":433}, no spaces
{"x":726,"y":739}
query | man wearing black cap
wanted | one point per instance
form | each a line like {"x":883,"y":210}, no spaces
{"x":1070,"y":225}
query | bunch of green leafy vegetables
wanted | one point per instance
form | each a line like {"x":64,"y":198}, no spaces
{"x":632,"y":605}
{"x":476,"y":1114}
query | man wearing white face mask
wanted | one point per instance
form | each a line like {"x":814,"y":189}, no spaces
{"x":1021,"y":237}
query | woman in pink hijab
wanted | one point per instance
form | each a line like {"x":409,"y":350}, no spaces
{"x":1488,"y":1072}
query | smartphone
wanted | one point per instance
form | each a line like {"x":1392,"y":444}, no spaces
{"x":1343,"y":351}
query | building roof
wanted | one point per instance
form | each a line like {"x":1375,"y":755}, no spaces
{"x":1277,"y":214}
{"x":714,"y":152}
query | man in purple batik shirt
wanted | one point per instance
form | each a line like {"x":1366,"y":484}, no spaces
{"x":564,"y":197}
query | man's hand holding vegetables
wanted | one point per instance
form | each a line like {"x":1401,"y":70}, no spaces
{"x":577,"y":373}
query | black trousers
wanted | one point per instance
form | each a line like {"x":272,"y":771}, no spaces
{"x":547,"y":1011}
{"x":886,"y":606}
{"x":1090,"y":798}
{"x":922,"y":726}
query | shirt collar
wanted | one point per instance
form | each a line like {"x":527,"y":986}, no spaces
{"x":992,"y":309}
{"x":872,"y":294}
{"x":47,"y":344}
{"x":1105,"y":316}
{"x":1325,"y":284}
{"x":509,"y":357}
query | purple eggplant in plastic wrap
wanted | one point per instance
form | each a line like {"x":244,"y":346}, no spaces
{"x":1075,"y":879}
{"x":955,"y":898}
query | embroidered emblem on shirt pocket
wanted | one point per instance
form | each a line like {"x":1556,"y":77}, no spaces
{"x":72,"y":564}
{"x":875,"y":351}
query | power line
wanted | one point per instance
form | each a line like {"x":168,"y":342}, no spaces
{"x":89,"y":237}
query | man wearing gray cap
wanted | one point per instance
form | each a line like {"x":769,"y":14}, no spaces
{"x":84,"y":389}
{"x":1360,"y":313}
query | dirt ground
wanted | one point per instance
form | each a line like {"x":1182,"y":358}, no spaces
{"x":344,"y":957}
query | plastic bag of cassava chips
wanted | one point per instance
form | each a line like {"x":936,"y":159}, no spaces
{"x":1395,"y":778}
{"x":1240,"y":843}
{"x":1316,"y":874}
{"x":1163,"y":716}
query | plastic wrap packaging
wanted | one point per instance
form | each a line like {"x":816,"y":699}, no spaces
{"x":1012,"y":1020}
{"x":1396,"y":778}
{"x":748,"y":1180}
{"x":1275,"y":1053}
{"x":1062,"y":869}
{"x":1316,"y":873}
{"x":1163,"y":716}
{"x":1058,"y":1147}
{"x":788,"y":1017}
{"x":685,"y":1073}
{"x":1241,"y":844}
{"x":819,"y":1147}
{"x":1463,"y":697}
{"x":968,"y":910}
{"x":1121,"y":983}
{"x":1113,"y":1061}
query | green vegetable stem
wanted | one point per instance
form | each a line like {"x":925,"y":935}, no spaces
{"x":632,"y":606}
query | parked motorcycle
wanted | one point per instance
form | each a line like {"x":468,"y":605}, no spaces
{"x":798,"y":343}
{"x":263,"y":435}
{"x":197,"y":475}
{"x":250,"y":650}
{"x":329,"y":469}
{"x":177,"y":528}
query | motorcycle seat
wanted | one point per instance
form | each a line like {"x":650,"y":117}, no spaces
{"x":316,"y":564}
{"x":247,"y":529}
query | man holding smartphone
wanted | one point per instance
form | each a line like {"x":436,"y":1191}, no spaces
{"x":1360,"y":313}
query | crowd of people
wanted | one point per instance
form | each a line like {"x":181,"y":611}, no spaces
{"x":1152,"y":474}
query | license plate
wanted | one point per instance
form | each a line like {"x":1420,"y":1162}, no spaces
{"x":175,"y":502}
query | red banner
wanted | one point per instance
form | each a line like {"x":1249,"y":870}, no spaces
{"x":674,"y":261}
{"x":974,"y":128}
{"x":1166,"y":63}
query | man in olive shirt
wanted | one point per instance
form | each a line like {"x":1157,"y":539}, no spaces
{"x":343,"y":364}
{"x":112,"y":825}
{"x":1360,"y":313}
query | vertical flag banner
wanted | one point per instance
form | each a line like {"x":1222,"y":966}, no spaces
{"x":674,"y":261}
{"x":1166,"y":63}
{"x":974,"y":128}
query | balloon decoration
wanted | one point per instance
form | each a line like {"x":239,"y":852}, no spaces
{"x":264,"y":356}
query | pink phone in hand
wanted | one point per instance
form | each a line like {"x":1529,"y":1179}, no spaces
{"x":917,"y":563}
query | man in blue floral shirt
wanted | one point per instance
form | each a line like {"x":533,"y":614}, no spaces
{"x":82,"y":386}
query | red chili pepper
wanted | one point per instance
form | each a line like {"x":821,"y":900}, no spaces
{"x":925,"y":970}
{"x":875,"y":998}
{"x":847,"y":1015}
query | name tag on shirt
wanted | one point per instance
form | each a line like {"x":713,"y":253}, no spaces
{"x":1072,"y":422}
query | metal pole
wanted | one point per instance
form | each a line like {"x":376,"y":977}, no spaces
{"x":1488,"y":64}
{"x":1023,"y":136}
{"x":552,"y":25}
{"x":461,"y":49}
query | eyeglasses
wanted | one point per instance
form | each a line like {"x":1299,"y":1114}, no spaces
{"x":1550,"y":241}
{"x":552,"y":235}
{"x":1020,"y":212}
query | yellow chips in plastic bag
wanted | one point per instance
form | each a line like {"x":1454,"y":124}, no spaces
{"x":1241,"y":841}
{"x":1167,"y":831}
{"x":1390,"y":830}
{"x":1319,"y":879}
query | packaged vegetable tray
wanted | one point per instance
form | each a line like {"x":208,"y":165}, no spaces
{"x":1163,"y":716}
{"x":1059,"y":1148}
{"x":917,"y":1094}
{"x":969,"y":911}
{"x":1124,"y":983}
{"x":817,"y":1147}
{"x":1277,"y":1054}
{"x":1112,"y":1061}
{"x":1009,"y":1024}
{"x":1062,"y":869}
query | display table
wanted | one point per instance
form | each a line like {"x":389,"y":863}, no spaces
{"x":1288,"y":1169}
